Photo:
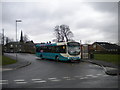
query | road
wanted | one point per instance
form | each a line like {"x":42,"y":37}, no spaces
{"x":52,"y":74}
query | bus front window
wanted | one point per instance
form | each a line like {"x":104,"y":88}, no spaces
{"x":73,"y":48}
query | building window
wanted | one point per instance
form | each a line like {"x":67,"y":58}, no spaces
{"x":19,"y":45}
{"x":11,"y":45}
{"x":94,"y":46}
{"x":20,"y":50}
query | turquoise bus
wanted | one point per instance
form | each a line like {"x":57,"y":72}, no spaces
{"x":61,"y":51}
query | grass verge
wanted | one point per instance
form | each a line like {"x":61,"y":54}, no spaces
{"x":6,"y":60}
{"x":113,"y":58}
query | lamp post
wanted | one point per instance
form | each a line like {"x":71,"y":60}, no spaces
{"x":16,"y":36}
{"x":16,"y":27}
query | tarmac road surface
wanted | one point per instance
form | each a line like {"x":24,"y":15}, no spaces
{"x":52,"y":74}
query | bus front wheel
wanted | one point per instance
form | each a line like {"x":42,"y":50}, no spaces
{"x":57,"y":58}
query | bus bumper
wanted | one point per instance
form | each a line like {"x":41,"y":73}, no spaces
{"x":73,"y":58}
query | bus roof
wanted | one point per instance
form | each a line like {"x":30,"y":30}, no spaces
{"x":51,"y":44}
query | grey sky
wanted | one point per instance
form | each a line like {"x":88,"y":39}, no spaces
{"x":88,"y":21}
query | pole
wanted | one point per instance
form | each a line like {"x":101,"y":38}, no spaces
{"x":16,"y":38}
{"x":81,"y":49}
{"x":2,"y":41}
{"x":16,"y":41}
{"x":3,"y":36}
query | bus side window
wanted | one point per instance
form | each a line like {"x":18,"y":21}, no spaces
{"x":57,"y":49}
{"x":37,"y":49}
{"x":62,"y":49}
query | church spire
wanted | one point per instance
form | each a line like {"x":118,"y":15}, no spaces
{"x":21,"y":37}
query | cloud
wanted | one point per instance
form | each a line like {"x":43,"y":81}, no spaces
{"x":88,"y":21}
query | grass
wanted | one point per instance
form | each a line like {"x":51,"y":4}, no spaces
{"x":113,"y":58}
{"x":6,"y":60}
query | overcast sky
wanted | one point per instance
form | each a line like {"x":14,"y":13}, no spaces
{"x":89,"y":21}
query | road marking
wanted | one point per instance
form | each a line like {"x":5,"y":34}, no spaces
{"x":81,"y":78}
{"x":94,"y":76}
{"x":6,"y":69}
{"x":51,"y":78}
{"x":36,"y":79}
{"x":3,"y":81}
{"x":99,"y":74}
{"x":66,"y":77}
{"x":89,"y":75}
{"x":85,"y":77}
{"x":20,"y":80}
{"x":56,"y":80}
{"x":40,"y":81}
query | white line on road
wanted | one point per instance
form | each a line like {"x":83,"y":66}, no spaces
{"x":40,"y":81}
{"x":81,"y":78}
{"x":56,"y":80}
{"x":51,"y":78}
{"x":36,"y":79}
{"x":3,"y":81}
{"x":98,"y":74}
{"x":6,"y":69}
{"x":66,"y":77}
{"x":20,"y":80}
{"x":85,"y":77}
{"x":89,"y":75}
{"x":94,"y":76}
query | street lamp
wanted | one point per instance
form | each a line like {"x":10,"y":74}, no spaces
{"x":16,"y":36}
{"x":16,"y":27}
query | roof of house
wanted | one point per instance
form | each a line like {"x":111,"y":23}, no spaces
{"x":107,"y":45}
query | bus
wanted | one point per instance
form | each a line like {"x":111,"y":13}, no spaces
{"x":61,"y":51}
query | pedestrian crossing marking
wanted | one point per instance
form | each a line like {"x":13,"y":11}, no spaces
{"x":53,"y":79}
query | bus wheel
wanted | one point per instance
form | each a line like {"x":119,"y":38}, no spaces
{"x":41,"y":56}
{"x":57,"y":58}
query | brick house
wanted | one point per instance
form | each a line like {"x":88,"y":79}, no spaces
{"x":21,"y":46}
{"x":104,"y":47}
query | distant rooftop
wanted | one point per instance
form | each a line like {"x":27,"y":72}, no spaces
{"x":107,"y":45}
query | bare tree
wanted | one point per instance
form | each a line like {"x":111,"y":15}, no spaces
{"x":25,"y":38}
{"x":57,"y":33}
{"x":63,"y":33}
{"x":7,"y":39}
{"x":66,"y":33}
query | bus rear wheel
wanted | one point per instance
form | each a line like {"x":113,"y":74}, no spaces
{"x":57,"y":58}
{"x":41,"y":56}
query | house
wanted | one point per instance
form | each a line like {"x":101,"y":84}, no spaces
{"x":104,"y":47}
{"x":21,"y":46}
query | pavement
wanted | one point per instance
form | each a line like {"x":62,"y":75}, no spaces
{"x":109,"y":68}
{"x":18,"y":64}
